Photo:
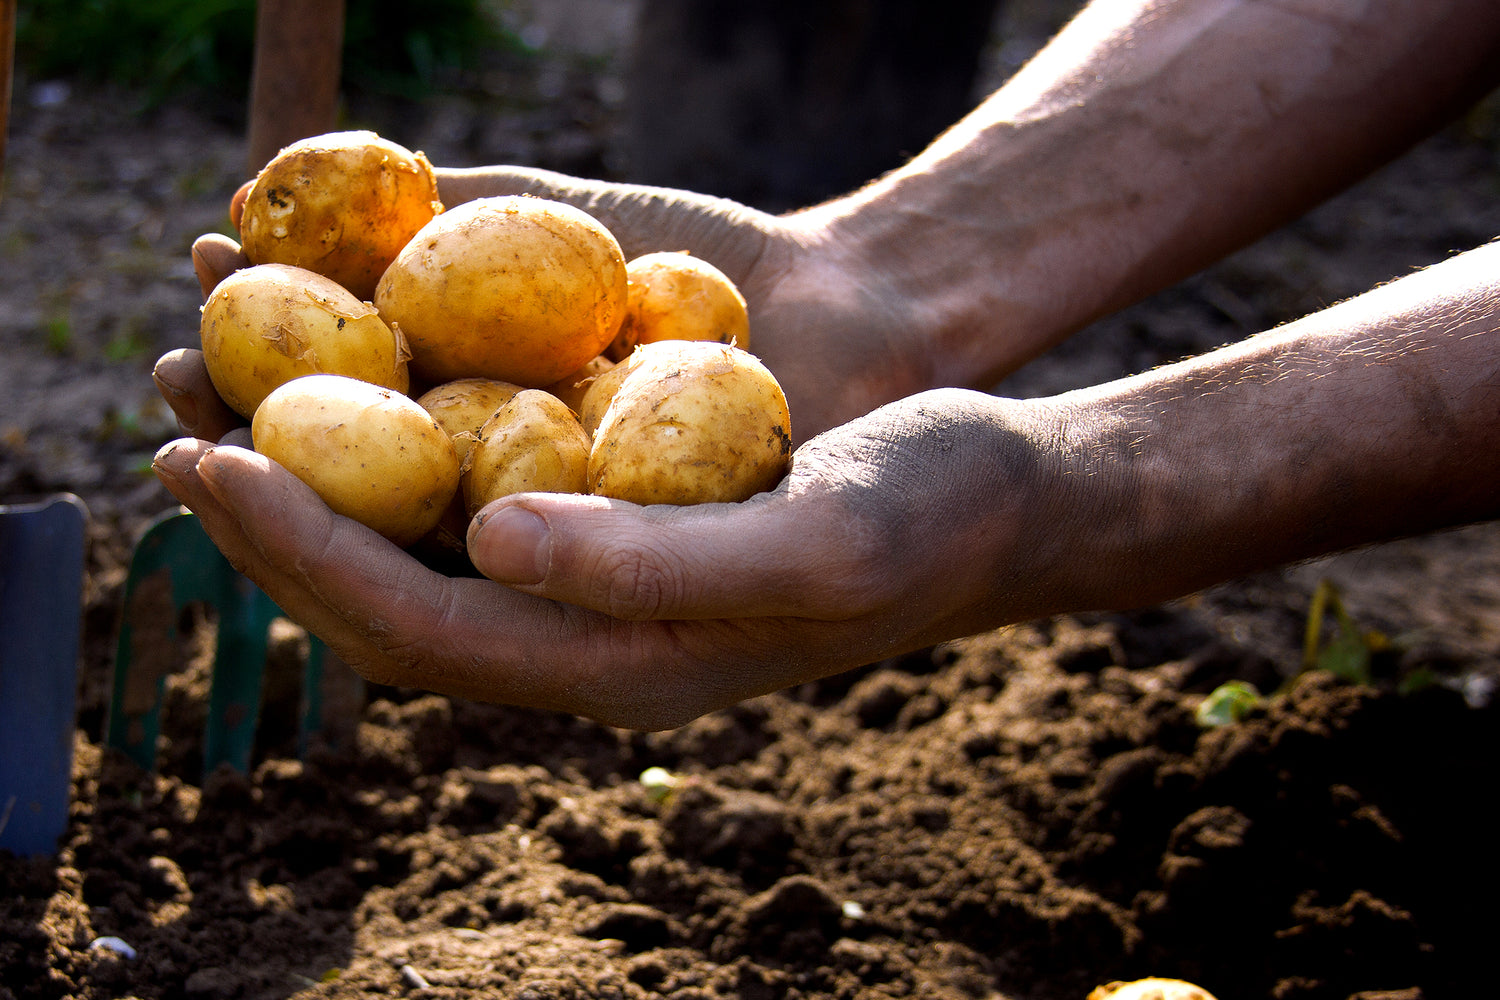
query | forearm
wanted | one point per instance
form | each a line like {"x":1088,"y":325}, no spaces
{"x":1370,"y":420}
{"x":1147,"y":140}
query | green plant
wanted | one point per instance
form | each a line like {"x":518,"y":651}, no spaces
{"x":1347,"y":655}
{"x":1227,"y":704}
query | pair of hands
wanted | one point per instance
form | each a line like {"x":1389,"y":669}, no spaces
{"x":899,"y":525}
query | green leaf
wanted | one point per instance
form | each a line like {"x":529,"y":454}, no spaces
{"x":1227,"y":704}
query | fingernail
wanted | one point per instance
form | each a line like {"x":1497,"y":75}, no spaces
{"x":512,"y":545}
{"x":165,"y":472}
{"x":209,"y":474}
{"x":184,"y":406}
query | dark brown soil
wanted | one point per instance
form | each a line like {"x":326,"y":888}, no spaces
{"x":1025,"y":814}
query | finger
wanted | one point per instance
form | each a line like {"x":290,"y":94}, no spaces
{"x":400,"y":622}
{"x":768,"y":556}
{"x":176,"y":465}
{"x":237,"y":204}
{"x":215,"y":257}
{"x":182,"y":379}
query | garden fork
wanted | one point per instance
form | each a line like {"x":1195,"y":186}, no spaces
{"x":175,"y":565}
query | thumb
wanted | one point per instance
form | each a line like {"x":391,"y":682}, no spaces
{"x":724,"y":560}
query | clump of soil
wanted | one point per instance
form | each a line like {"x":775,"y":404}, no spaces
{"x":1024,"y":814}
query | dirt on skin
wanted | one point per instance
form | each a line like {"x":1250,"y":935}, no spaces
{"x":1021,"y":815}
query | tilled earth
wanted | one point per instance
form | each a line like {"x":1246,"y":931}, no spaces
{"x":1024,"y":814}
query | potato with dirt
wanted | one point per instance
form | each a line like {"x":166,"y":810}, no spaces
{"x":461,"y":408}
{"x":372,"y":454}
{"x":270,"y":323}
{"x":691,"y":422}
{"x":341,"y":204}
{"x":533,"y":443}
{"x":676,"y":296}
{"x":520,"y":289}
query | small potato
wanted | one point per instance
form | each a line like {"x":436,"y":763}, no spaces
{"x":691,"y":422}
{"x":601,"y":390}
{"x":461,"y":408}
{"x":1151,"y":988}
{"x":675,"y":296}
{"x":534,"y":443}
{"x":520,"y":289}
{"x":341,"y":204}
{"x":372,"y":454}
{"x":572,"y":388}
{"x":270,"y":323}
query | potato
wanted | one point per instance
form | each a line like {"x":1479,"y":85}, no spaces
{"x":600,"y":390}
{"x":270,"y":323}
{"x":534,"y":442}
{"x":675,"y":296}
{"x":1151,"y":988}
{"x":341,"y":204}
{"x":573,"y":387}
{"x":371,"y":453}
{"x":461,"y":408}
{"x":520,"y":289}
{"x":691,"y":422}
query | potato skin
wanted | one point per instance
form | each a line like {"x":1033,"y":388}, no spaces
{"x":372,"y":454}
{"x":520,"y":289}
{"x":691,"y":422}
{"x":533,"y":443}
{"x":341,"y":204}
{"x":267,"y":324}
{"x":572,"y":388}
{"x":462,"y":407}
{"x":673,"y":295}
{"x":1150,"y":988}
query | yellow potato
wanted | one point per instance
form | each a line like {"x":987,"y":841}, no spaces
{"x":461,"y":408}
{"x":675,"y":296}
{"x":573,"y":387}
{"x":372,"y":454}
{"x":342,"y":204}
{"x":691,"y":422}
{"x":600,"y":390}
{"x":534,"y":443}
{"x":268,"y":324}
{"x":524,"y":290}
{"x":1151,"y":988}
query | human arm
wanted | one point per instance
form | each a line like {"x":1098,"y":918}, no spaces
{"x":935,"y":517}
{"x":1146,"y":140}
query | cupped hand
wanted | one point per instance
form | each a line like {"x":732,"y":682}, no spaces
{"x":838,"y":338}
{"x":924,"y":520}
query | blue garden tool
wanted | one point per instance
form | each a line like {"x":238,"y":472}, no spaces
{"x":41,"y":602}
{"x":175,"y":564}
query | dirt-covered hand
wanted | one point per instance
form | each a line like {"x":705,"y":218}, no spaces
{"x":894,"y":531}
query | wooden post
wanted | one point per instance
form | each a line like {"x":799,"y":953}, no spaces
{"x":294,"y":83}
{"x":7,"y":65}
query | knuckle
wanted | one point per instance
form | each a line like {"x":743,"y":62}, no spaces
{"x":637,"y":584}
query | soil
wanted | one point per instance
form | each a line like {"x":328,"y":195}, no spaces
{"x":1024,"y":814}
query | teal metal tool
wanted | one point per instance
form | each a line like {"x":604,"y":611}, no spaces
{"x":175,"y":565}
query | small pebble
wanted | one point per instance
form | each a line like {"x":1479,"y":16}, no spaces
{"x":114,"y":944}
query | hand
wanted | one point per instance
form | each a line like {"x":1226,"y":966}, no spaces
{"x":922,"y":521}
{"x":840,"y":339}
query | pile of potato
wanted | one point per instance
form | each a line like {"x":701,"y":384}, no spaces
{"x":412,"y":364}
